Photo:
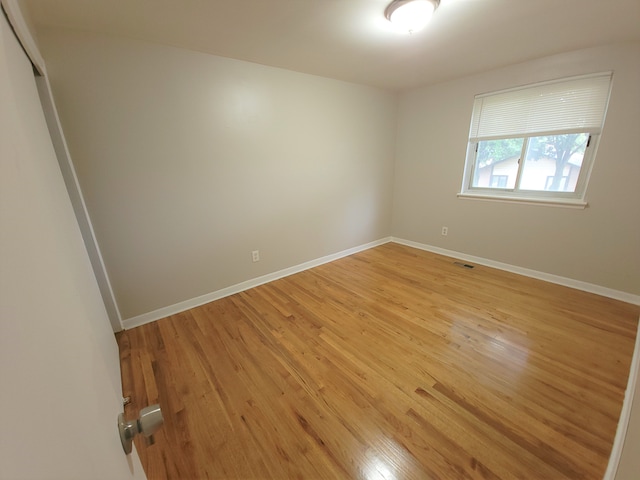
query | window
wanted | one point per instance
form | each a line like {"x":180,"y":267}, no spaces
{"x":499,"y":181}
{"x":536,"y":143}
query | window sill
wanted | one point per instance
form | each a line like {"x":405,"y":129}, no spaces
{"x":550,"y":202}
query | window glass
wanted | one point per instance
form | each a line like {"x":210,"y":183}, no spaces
{"x":553,"y":162}
{"x":497,"y":163}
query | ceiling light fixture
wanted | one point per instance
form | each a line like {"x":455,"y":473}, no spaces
{"x":410,"y":15}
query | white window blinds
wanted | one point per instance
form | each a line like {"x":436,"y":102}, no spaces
{"x":572,"y":105}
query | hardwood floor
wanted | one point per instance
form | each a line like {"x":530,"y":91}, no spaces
{"x":392,"y":363}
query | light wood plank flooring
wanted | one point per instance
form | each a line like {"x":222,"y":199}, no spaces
{"x":392,"y":363}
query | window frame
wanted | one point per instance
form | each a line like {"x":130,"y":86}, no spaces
{"x":574,"y":199}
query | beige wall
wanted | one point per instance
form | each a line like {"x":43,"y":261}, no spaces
{"x":598,"y":245}
{"x":188,"y":162}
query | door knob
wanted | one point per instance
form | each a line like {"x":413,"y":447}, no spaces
{"x":149,"y":421}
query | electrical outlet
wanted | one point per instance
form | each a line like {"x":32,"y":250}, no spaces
{"x":255,"y":255}
{"x":445,"y":231}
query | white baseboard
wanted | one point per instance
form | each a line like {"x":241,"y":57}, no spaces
{"x":547,"y":277}
{"x":225,"y":292}
{"x":625,"y":414}
{"x":240,"y":287}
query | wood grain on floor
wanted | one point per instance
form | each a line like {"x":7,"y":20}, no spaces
{"x":393,"y":363}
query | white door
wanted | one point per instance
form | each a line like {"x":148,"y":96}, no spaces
{"x":60,"y":390}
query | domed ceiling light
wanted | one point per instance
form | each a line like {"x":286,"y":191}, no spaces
{"x":410,"y":15}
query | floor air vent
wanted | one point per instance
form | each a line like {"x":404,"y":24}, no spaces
{"x":465,"y":265}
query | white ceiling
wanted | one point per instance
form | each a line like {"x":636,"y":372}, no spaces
{"x":350,"y":39}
